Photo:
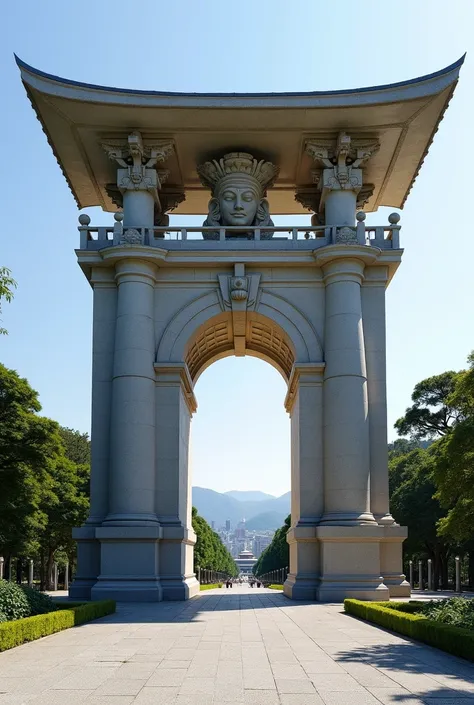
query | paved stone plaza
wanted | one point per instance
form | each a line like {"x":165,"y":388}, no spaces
{"x":231,"y":646}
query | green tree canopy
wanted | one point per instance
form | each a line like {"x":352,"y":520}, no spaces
{"x":432,"y":413}
{"x":7,"y":284}
{"x":209,"y":551}
{"x":454,"y":472}
{"x":277,"y":554}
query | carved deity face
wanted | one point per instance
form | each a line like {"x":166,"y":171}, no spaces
{"x":238,"y":205}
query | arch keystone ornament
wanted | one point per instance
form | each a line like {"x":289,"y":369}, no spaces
{"x":168,"y":301}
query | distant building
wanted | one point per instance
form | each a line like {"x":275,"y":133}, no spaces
{"x":260,"y":543}
{"x":227,"y":524}
{"x":245,"y":562}
{"x":213,"y":525}
{"x":241,"y":531}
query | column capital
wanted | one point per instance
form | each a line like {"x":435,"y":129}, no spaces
{"x":135,"y":270}
{"x":340,"y":161}
{"x":307,"y":373}
{"x":177,"y":373}
{"x":344,"y":262}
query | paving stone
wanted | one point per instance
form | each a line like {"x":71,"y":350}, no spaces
{"x":391,"y":696}
{"x":300,"y":699}
{"x":157,"y":696}
{"x":197,"y":685}
{"x":294,"y":686}
{"x":109,"y":700}
{"x":261,"y":697}
{"x":361,"y":697}
{"x":167,"y":677}
{"x":120,"y":686}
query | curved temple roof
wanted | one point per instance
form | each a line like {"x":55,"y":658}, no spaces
{"x":77,"y":117}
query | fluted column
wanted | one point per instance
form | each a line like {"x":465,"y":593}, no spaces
{"x":373,"y":308}
{"x":132,"y":483}
{"x":131,"y":532}
{"x":346,"y":422}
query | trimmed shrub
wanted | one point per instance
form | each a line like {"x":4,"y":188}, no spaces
{"x":3,"y":617}
{"x":454,"y":640}
{"x":39,"y":602}
{"x":13,"y":601}
{"x":31,"y":628}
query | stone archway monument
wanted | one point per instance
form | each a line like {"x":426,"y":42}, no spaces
{"x":168,"y":301}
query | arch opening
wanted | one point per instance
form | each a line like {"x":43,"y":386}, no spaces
{"x":261,"y":337}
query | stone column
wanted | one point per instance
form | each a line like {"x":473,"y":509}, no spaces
{"x":175,"y":403}
{"x":103,"y":342}
{"x":346,"y":423}
{"x":373,"y":312}
{"x":129,"y":534}
{"x":349,"y":535}
{"x":304,"y":403}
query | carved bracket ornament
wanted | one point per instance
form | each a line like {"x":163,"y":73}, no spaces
{"x":137,"y":158}
{"x":341,"y":161}
{"x":239,"y":294}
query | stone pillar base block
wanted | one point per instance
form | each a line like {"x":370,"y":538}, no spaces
{"x":350,"y":563}
{"x":88,"y":562}
{"x":182,"y":588}
{"x":123,"y":590}
{"x":391,"y":560}
{"x":397,"y":586}
{"x":129,"y":564}
{"x":352,"y":586}
{"x":298,"y":587}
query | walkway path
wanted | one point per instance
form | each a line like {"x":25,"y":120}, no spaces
{"x":231,"y":647}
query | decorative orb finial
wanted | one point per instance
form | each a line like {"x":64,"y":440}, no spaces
{"x":393,"y":218}
{"x":118,"y":216}
{"x":84,"y":219}
{"x":361,"y":216}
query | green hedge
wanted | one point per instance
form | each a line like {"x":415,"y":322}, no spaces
{"x":396,"y":617}
{"x":30,"y":628}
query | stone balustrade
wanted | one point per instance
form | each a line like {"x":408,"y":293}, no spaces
{"x":384,"y":237}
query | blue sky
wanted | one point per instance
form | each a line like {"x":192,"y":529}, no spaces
{"x":252,"y":45}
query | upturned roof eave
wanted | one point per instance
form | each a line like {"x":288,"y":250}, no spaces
{"x":387,"y":93}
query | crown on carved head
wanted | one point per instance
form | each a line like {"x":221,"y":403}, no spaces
{"x":216,"y":174}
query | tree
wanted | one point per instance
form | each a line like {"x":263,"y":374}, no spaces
{"x":412,"y":502}
{"x":277,"y":554}
{"x":454,"y":472}
{"x":432,"y":413}
{"x":209,"y":551}
{"x":7,"y":284}
{"x":28,"y":444}
{"x":77,"y":445}
{"x":43,"y":492}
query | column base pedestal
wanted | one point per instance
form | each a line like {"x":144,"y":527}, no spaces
{"x":176,"y":562}
{"x":180,"y":588}
{"x":350,"y":563}
{"x":303,"y":581}
{"x":391,"y":560}
{"x":301,"y":587}
{"x":88,"y":562}
{"x":129,"y":564}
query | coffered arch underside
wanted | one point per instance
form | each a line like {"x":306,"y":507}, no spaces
{"x":202,"y":332}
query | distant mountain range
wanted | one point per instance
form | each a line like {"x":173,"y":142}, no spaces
{"x":260,"y":510}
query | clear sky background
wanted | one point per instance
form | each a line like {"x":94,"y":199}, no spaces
{"x":241,"y":432}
